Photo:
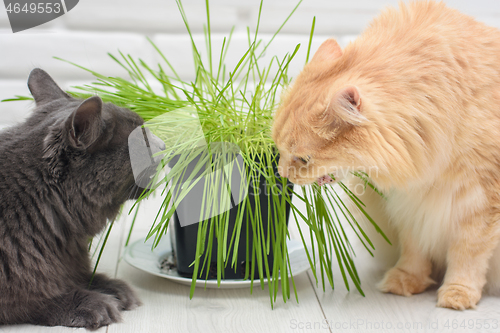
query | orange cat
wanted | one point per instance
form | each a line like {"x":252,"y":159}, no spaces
{"x":415,"y":103}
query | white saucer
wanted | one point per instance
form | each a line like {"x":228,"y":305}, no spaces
{"x":140,"y":256}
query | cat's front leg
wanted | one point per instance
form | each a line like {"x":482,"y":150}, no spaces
{"x":468,"y":258}
{"x":78,"y":308}
{"x":411,"y":273}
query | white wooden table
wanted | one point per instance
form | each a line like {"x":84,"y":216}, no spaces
{"x":167,"y":307}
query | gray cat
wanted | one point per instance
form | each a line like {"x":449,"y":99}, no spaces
{"x":63,"y":174}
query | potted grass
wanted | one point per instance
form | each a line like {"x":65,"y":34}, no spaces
{"x":222,"y":190}
{"x":216,"y":130}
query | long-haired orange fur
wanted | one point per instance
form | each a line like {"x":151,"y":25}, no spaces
{"x":415,"y":98}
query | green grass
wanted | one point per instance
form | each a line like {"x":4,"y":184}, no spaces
{"x":234,"y":105}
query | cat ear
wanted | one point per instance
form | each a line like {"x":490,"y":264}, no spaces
{"x":344,"y":110}
{"x":329,"y":50}
{"x":349,"y":98}
{"x":346,"y":105}
{"x":85,"y":124}
{"x":43,"y":88}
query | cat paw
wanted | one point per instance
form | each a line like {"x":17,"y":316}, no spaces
{"x":457,"y":297}
{"x":124,"y":294}
{"x":95,"y":310}
{"x":400,"y":282}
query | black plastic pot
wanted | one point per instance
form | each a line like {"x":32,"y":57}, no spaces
{"x":184,"y":239}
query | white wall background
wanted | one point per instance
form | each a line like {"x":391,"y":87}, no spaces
{"x":95,"y":27}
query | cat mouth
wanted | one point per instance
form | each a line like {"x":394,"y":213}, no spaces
{"x":324,"y":180}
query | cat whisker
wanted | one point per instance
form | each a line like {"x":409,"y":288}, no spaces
{"x":135,"y":188}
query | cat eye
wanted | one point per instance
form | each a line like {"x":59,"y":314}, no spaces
{"x":302,"y":159}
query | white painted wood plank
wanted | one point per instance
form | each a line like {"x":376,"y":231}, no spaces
{"x":167,"y":307}
{"x":378,"y":312}
{"x":43,"y":329}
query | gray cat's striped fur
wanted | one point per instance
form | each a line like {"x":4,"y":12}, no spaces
{"x":63,"y":174}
